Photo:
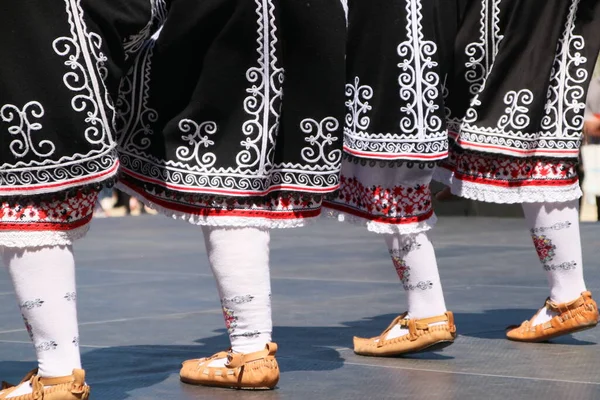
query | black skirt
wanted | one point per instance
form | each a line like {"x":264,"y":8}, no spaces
{"x":61,"y":67}
{"x":235,"y":103}
{"x":500,"y":76}
{"x":523,"y":68}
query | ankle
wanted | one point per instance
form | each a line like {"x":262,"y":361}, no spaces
{"x":562,"y":297}
{"x":247,"y":345}
{"x":426,"y":313}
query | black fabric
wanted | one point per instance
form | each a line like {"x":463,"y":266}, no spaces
{"x":61,"y":67}
{"x":230,"y":95}
{"x":400,"y":54}
{"x":503,"y":76}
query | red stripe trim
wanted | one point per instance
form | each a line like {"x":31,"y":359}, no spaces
{"x":187,"y":189}
{"x":59,"y":184}
{"x":387,"y":220}
{"x":193,"y":210}
{"x":407,"y":156}
{"x":45,"y":226}
{"x":504,"y":183}
{"x":466,"y":145}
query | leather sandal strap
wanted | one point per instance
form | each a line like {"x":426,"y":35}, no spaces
{"x":433,"y":320}
{"x":38,"y":383}
{"x":564,"y":307}
{"x":236,"y":360}
{"x":221,"y":354}
{"x":450,"y":316}
{"x":423,"y":324}
{"x":415,"y":324}
{"x":77,"y":379}
{"x":57,"y":381}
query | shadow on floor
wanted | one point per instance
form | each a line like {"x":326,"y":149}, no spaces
{"x":489,"y":324}
{"x":120,"y":370}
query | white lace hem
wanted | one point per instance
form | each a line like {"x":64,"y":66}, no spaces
{"x":381,"y":227}
{"x":23,"y":239}
{"x":507,"y":195}
{"x":221,"y":221}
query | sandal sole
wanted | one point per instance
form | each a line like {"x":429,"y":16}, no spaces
{"x":224,"y":386}
{"x":559,"y":334}
{"x":440,"y":345}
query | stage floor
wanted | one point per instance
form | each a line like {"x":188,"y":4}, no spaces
{"x":147,"y":301}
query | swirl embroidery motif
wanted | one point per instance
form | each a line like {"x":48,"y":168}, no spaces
{"x":197,"y":138}
{"x":323,"y":138}
{"x":566,"y":93}
{"x":419,"y":81}
{"x":483,"y":53}
{"x":24,"y":128}
{"x":516,"y":112}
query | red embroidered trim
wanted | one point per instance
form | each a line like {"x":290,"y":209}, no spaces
{"x":471,"y":145}
{"x":296,"y":208}
{"x":396,"y":205}
{"x":502,"y":171}
{"x":56,"y":215}
{"x":45,"y":226}
{"x":371,"y":217}
{"x":495,"y":182}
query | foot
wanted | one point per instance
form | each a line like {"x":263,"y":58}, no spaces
{"x":577,"y":315}
{"x":423,"y":334}
{"x":33,"y":387}
{"x":257,"y":370}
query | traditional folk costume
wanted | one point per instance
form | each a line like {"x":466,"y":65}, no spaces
{"x":58,"y":79}
{"x":495,"y":91}
{"x":590,"y":131}
{"x":241,"y":135}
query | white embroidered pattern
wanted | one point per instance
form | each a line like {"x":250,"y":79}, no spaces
{"x":358,"y":104}
{"x":566,"y":93}
{"x":357,"y":138}
{"x":198,"y":138}
{"x":24,"y":128}
{"x":135,"y":117}
{"x":345,"y":7}
{"x":85,"y":63}
{"x":419,"y":81}
{"x":516,"y":113}
{"x":79,"y":49}
{"x":158,"y":14}
{"x":265,"y":91}
{"x":255,"y":170}
{"x":324,"y":137}
{"x":482,"y":54}
{"x":421,"y":129}
{"x":562,"y":124}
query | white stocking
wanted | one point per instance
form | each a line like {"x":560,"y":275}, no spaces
{"x":414,"y":259}
{"x":239,"y":258}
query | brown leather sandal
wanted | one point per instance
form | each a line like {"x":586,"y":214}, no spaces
{"x":257,"y":370}
{"x":575,"y":316}
{"x":71,"y":387}
{"x":421,"y":337}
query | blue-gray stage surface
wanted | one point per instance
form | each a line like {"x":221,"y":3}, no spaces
{"x":147,"y":301}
